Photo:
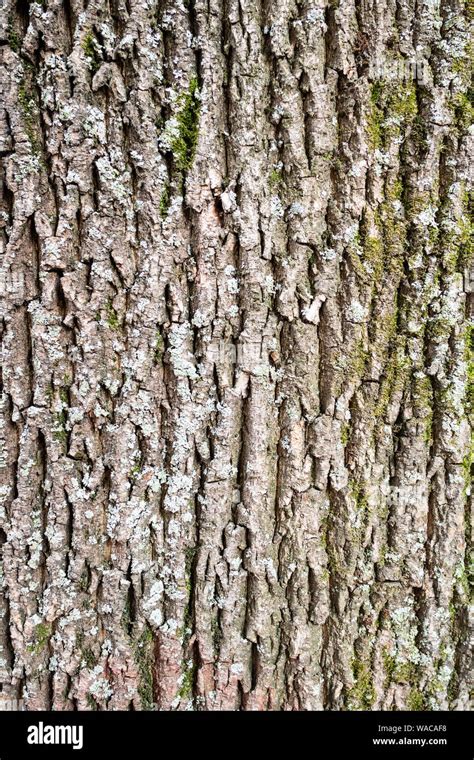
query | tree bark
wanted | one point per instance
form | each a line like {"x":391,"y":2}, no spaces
{"x":237,"y":354}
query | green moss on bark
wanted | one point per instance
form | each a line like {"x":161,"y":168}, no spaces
{"x":144,"y":658}
{"x":393,"y":108}
{"x":92,"y":52}
{"x":362,"y":695}
{"x":185,"y":143}
{"x":42,"y":636}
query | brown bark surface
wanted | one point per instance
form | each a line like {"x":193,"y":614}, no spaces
{"x":237,"y":369}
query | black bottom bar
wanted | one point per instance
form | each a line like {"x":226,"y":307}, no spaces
{"x":317,"y":734}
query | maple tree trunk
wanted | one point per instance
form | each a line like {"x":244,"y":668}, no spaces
{"x":236,"y":443}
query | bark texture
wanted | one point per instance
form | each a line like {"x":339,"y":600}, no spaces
{"x":236,"y":354}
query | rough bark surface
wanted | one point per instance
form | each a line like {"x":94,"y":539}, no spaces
{"x":236,"y":354}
